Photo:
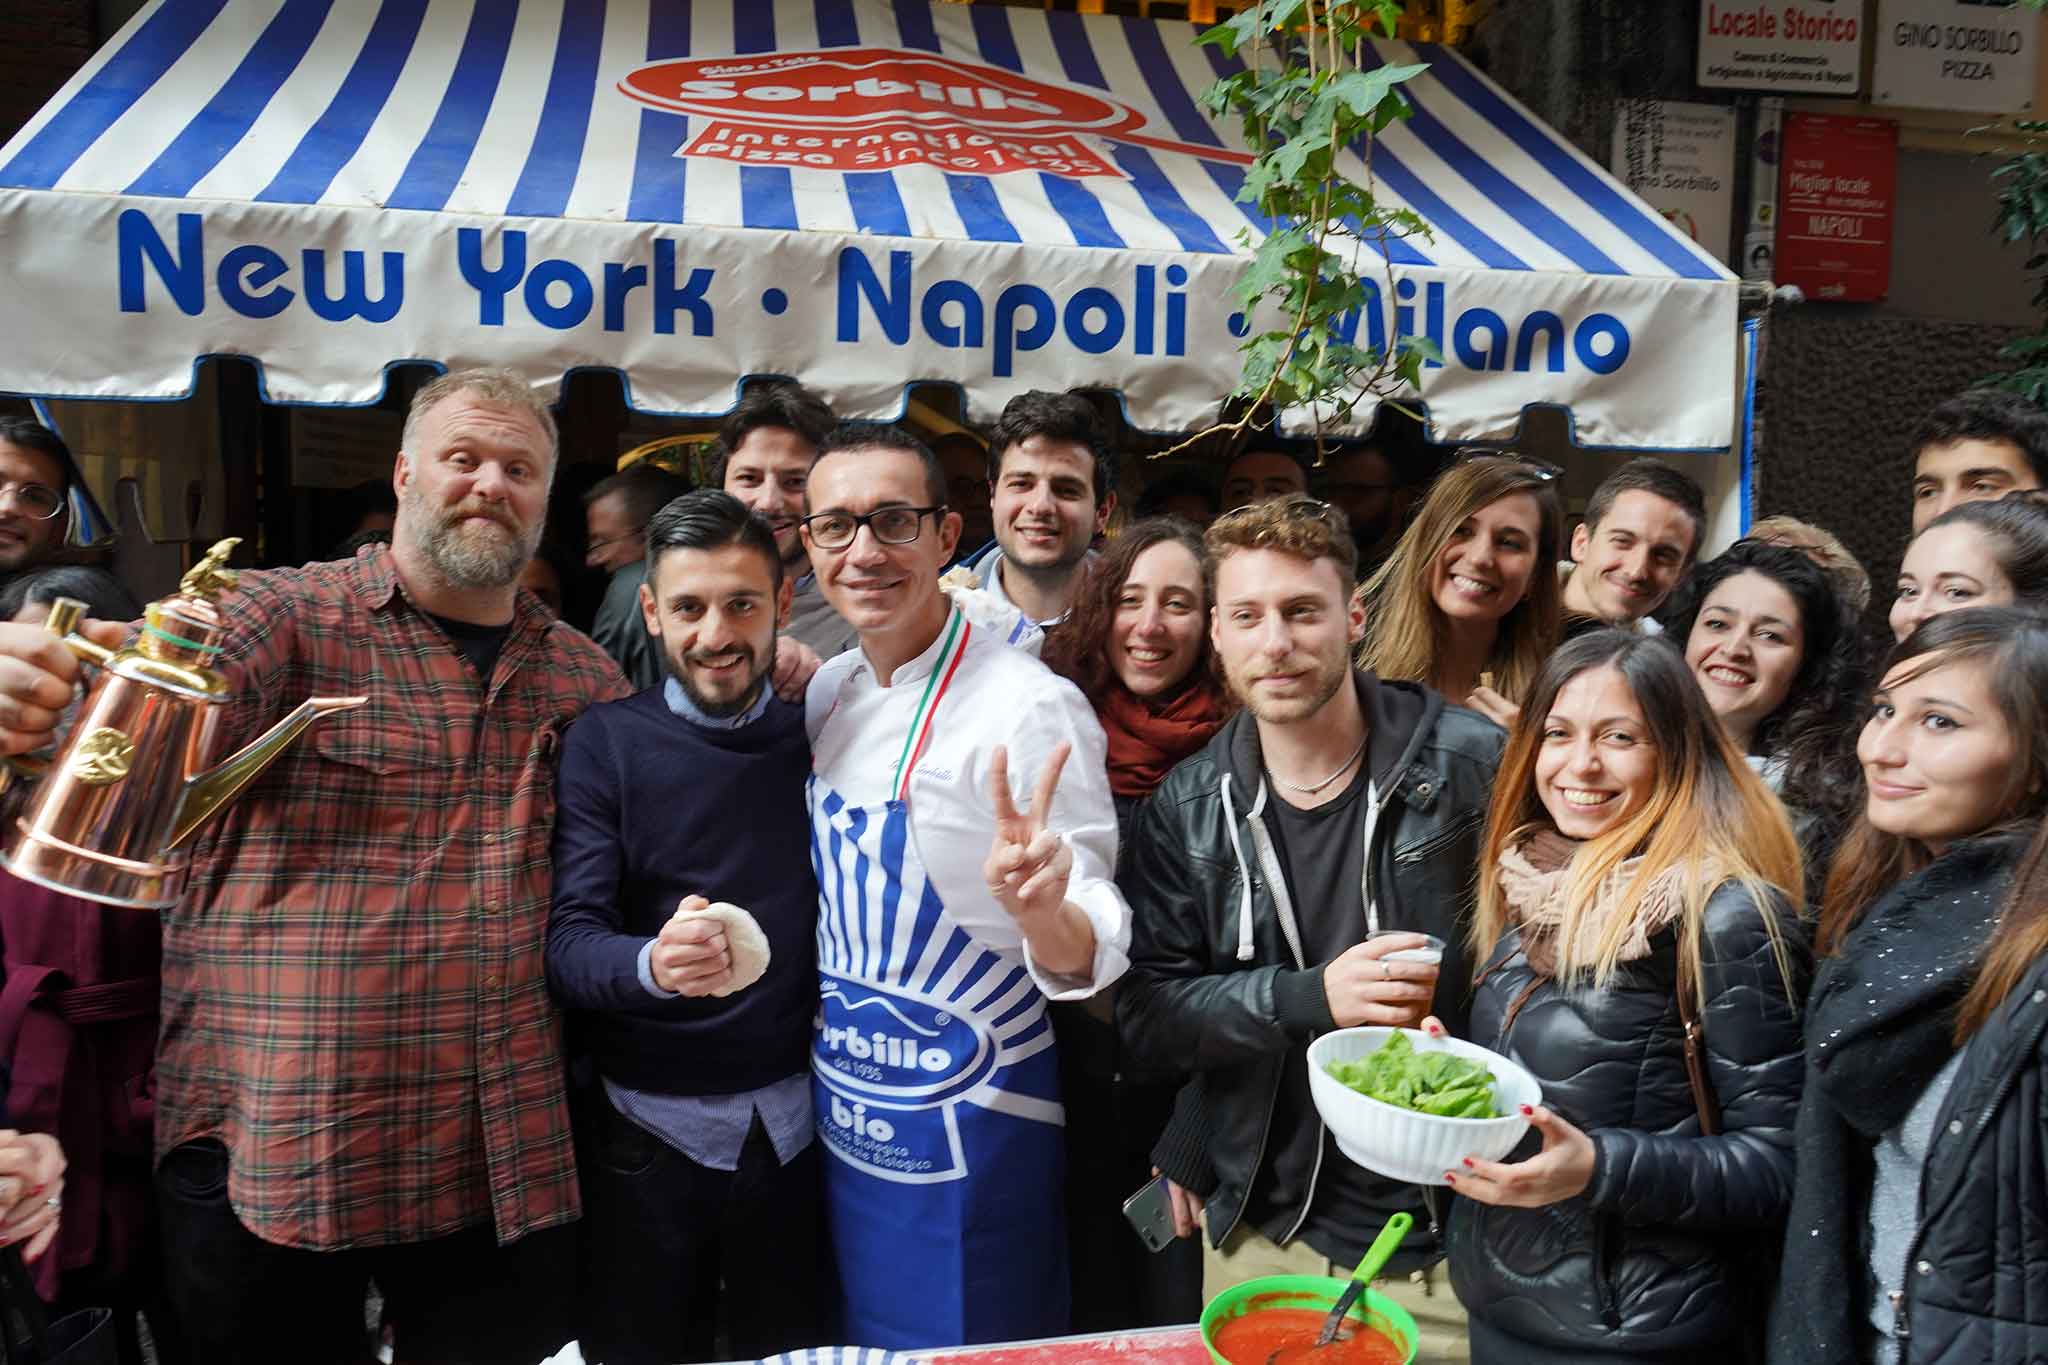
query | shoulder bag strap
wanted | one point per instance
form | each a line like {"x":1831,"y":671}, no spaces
{"x":1703,"y":1098}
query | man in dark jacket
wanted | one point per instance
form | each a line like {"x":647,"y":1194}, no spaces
{"x":696,"y":1144}
{"x":1333,"y":806}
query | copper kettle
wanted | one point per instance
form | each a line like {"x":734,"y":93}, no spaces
{"x":115,"y":808}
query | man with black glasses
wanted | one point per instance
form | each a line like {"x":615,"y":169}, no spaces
{"x":36,"y":471}
{"x":950,"y":911}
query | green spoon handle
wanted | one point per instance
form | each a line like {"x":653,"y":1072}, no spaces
{"x":1382,"y":1248}
{"x":1375,"y":1258}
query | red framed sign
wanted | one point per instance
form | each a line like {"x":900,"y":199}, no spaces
{"x":1838,"y":183}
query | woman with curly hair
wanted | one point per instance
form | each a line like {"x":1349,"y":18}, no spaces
{"x":1467,"y":603}
{"x":1776,"y":653}
{"x":1137,"y":645}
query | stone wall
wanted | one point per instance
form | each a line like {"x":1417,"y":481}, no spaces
{"x":1837,"y":399}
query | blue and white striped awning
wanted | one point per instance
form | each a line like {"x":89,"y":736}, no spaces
{"x":860,"y":193}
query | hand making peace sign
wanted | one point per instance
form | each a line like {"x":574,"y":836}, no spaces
{"x":1028,"y":865}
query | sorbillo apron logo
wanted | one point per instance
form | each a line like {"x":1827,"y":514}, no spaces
{"x":892,"y":1065}
{"x":894,"y":1049}
{"x":874,"y":108}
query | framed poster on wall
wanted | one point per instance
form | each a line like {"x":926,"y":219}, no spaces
{"x":1836,"y":191}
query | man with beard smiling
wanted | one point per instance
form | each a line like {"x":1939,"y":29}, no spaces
{"x":360,"y":1072}
{"x":1334,"y":805}
{"x":697,"y":1152}
{"x":1053,"y":487}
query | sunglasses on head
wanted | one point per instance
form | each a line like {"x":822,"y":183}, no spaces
{"x":1541,"y":469}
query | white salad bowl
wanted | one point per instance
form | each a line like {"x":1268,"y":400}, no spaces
{"x":1403,"y":1144}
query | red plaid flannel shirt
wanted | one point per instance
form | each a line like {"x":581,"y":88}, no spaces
{"x":353,"y":996}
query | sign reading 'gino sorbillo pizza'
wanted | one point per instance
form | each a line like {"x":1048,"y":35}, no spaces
{"x":876,"y":109}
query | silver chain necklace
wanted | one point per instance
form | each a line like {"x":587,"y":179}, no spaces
{"x":1311,"y":791}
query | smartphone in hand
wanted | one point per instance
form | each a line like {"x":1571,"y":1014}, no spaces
{"x":1150,"y":1211}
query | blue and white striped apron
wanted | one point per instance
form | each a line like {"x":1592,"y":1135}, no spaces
{"x":937,"y":1090}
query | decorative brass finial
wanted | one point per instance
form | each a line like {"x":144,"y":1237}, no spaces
{"x":211,"y":576}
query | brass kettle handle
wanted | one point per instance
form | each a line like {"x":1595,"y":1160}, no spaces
{"x":65,"y":614}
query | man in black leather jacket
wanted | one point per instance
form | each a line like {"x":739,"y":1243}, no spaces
{"x":1255,"y":873}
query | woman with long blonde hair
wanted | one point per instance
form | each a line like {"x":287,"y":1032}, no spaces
{"x":1471,"y":589}
{"x":1637,"y":878}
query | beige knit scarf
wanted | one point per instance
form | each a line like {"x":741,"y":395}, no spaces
{"x":1534,"y":875}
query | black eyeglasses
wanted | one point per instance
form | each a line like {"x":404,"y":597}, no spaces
{"x":36,"y":500}
{"x":1541,"y":469}
{"x":890,"y":525}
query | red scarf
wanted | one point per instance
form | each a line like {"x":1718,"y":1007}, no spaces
{"x":1146,"y":741}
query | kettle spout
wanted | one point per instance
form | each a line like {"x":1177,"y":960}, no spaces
{"x":209,"y":793}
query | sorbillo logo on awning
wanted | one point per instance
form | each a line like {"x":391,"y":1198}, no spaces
{"x":875,"y":109}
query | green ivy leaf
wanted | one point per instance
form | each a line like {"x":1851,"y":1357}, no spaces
{"x":1233,"y":33}
{"x":1361,"y":92}
{"x":1421,"y":347}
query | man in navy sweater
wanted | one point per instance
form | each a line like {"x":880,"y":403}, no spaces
{"x":695,"y":1141}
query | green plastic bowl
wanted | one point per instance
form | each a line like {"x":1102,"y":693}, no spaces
{"x":1317,"y":1293}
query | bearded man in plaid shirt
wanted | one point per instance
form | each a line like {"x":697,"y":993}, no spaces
{"x":360,"y":1073}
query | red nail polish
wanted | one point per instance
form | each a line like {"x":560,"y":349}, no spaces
{"x":1468,"y":1163}
{"x":1450,"y":1179}
{"x":1527,"y":1112}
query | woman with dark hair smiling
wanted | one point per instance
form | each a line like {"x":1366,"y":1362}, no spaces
{"x":1976,"y":554}
{"x":1775,"y":651}
{"x":1955,"y":765}
{"x":1137,"y":645}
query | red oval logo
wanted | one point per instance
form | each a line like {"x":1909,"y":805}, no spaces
{"x":859,"y":86}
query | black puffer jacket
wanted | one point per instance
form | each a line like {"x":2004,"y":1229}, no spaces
{"x":1642,"y":1263}
{"x":1218,"y":986}
{"x":1977,"y":1276}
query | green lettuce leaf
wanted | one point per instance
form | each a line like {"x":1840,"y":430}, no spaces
{"x":1429,"y":1082}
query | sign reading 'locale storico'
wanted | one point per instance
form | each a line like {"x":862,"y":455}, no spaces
{"x":875,"y":109}
{"x":1806,"y":47}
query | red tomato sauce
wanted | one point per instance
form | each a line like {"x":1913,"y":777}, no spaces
{"x":1288,"y":1335}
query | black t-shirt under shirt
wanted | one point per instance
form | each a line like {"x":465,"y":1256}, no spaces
{"x":1323,"y":853}
{"x":479,"y":644}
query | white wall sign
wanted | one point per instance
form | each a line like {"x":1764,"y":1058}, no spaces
{"x":1805,"y":47}
{"x":1975,"y":55}
{"x":1680,"y":160}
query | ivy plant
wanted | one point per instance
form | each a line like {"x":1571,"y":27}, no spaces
{"x":2022,"y":185}
{"x":1305,"y":93}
